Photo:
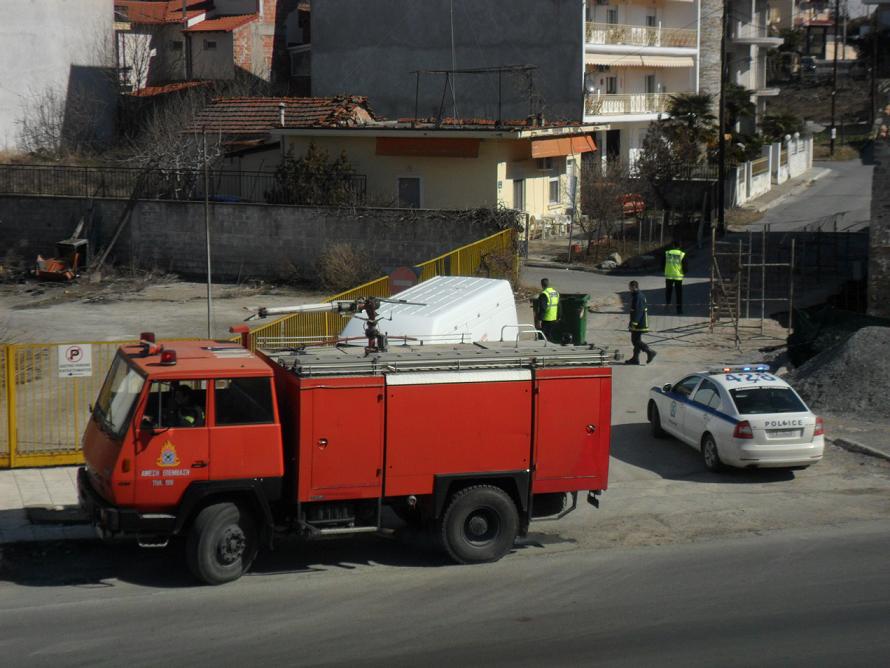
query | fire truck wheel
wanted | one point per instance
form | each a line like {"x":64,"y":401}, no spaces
{"x":655,"y":421}
{"x":479,"y":525}
{"x":222,"y":543}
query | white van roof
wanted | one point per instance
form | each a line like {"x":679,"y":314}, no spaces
{"x":456,"y":309}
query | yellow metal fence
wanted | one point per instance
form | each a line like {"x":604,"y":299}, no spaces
{"x":464,"y":261}
{"x":44,"y":407}
{"x":43,"y":410}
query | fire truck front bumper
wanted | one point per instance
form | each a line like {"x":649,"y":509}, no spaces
{"x":112,"y":521}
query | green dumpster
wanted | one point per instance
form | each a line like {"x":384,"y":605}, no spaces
{"x":572,"y":325}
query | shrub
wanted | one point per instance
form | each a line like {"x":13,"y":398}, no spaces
{"x":341,"y":267}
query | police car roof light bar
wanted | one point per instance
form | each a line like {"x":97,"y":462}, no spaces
{"x":747,"y":368}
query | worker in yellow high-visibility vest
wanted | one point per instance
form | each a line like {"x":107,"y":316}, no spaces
{"x":675,"y":268}
{"x":547,"y":309}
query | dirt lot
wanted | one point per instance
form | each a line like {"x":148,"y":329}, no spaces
{"x":122,"y":307}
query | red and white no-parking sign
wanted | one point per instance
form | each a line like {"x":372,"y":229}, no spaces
{"x":75,"y":360}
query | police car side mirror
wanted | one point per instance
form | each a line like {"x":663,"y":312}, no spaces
{"x":666,"y":387}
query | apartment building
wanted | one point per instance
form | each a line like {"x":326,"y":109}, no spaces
{"x":637,"y":53}
{"x":597,"y":62}
{"x":748,"y":43}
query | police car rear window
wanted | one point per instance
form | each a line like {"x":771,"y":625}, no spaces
{"x":759,"y":400}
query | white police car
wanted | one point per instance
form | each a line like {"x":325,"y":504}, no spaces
{"x":739,"y":416}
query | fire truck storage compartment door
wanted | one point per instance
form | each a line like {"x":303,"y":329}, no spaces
{"x":455,"y":422}
{"x":341,"y":438}
{"x":573,"y":415}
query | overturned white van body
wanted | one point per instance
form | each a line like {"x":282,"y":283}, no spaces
{"x":456,"y":309}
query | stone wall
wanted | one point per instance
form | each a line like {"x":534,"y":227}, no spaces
{"x":879,"y":235}
{"x":709,"y":53}
{"x":247,"y":240}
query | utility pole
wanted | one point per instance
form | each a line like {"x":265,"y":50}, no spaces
{"x":207,"y":238}
{"x":721,"y":156}
{"x":837,"y":16}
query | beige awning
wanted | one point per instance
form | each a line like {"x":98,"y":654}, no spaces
{"x":668,"y":61}
{"x":613,"y":59}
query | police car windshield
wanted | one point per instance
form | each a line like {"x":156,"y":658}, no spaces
{"x":760,"y":400}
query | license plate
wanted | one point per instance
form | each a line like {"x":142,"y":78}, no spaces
{"x":784,"y":433}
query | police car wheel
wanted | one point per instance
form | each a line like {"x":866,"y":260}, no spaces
{"x":655,"y":421}
{"x":222,"y":543}
{"x":479,"y":525}
{"x":710,"y":455}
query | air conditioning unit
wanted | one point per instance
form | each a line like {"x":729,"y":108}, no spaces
{"x":603,"y":2}
{"x":602,"y":68}
{"x":544,"y":164}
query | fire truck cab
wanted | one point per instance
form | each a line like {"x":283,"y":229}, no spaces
{"x":231,"y":448}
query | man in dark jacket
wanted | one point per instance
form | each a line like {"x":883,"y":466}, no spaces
{"x":639,"y":323}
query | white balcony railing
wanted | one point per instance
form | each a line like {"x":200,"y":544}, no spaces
{"x":631,"y":35}
{"x":750,"y":30}
{"x":596,"y":104}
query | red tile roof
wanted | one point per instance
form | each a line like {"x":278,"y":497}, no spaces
{"x":259,"y":115}
{"x":151,"y":91}
{"x":222,"y":23}
{"x":160,"y":11}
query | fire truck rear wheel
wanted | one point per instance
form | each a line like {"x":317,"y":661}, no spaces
{"x":480,"y":524}
{"x":222,"y":543}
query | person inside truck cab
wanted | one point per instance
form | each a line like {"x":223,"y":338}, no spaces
{"x":185,"y":410}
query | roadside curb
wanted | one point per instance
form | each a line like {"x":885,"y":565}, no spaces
{"x":856,"y":446}
{"x":796,"y":190}
{"x":541,"y":264}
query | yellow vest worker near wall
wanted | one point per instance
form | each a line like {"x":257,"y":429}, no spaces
{"x":675,"y":269}
{"x":547,"y":309}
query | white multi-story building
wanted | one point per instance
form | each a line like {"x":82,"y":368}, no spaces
{"x":637,"y":53}
{"x":748,"y":43}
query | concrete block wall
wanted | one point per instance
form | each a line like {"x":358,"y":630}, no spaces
{"x":879,"y":235}
{"x":247,"y":240}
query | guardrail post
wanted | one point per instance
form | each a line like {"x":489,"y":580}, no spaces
{"x":10,"y":403}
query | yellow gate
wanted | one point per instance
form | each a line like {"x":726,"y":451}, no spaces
{"x":46,"y":394}
{"x":46,"y":388}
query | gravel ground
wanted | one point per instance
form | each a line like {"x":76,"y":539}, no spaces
{"x":852,"y":377}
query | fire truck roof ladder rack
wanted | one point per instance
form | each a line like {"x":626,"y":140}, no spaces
{"x":447,"y":360}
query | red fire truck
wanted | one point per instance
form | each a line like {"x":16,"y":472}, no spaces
{"x":231,"y":448}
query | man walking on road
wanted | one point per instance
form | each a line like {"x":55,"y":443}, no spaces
{"x":639,"y":323}
{"x":547,"y":309}
{"x":675,"y":268}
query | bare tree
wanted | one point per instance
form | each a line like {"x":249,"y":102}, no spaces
{"x":602,"y":200}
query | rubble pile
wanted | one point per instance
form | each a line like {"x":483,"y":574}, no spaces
{"x":852,"y":377}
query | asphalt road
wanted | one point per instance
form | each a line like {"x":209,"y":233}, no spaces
{"x":846,"y":190}
{"x":815,"y":597}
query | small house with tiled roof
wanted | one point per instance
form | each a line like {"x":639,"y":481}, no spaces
{"x":447,"y":163}
{"x":159,"y":42}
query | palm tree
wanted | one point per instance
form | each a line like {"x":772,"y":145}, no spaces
{"x":738,"y":105}
{"x":692,"y":112}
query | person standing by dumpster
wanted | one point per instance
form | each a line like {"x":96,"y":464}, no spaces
{"x":675,"y":268}
{"x":547,"y":309}
{"x":639,"y":323}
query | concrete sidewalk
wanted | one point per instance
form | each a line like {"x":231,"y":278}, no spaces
{"x":24,"y":491}
{"x":791,"y":188}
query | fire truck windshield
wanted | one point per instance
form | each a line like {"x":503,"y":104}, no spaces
{"x":118,"y":396}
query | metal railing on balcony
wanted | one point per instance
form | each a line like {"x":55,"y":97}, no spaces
{"x":633,"y":35}
{"x":743,"y":30}
{"x":629,"y":103}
